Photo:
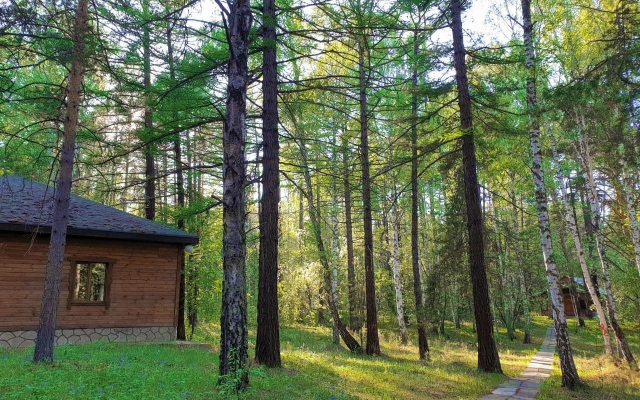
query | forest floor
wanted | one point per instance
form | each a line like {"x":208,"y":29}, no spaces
{"x":313,"y":368}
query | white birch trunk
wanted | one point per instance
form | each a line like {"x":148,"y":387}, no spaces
{"x":573,"y":228}
{"x":592,"y":196}
{"x":627,"y":188}
{"x":395,"y":267}
{"x":570,"y":376}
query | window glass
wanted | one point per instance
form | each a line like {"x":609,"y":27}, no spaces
{"x":82,"y":273}
{"x":98,"y":274}
{"x":90,"y":281}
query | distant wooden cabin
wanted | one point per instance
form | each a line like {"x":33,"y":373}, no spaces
{"x":574,"y":291}
{"x":120,"y":280}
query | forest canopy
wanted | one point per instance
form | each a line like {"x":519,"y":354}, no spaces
{"x":353,"y":151}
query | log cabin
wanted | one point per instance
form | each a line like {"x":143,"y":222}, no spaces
{"x":121,"y":273}
{"x":575,"y":297}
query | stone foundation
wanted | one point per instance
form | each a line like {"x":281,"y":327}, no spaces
{"x":88,"y":335}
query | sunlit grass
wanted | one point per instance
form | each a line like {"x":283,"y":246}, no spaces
{"x":604,"y":377}
{"x":313,"y":368}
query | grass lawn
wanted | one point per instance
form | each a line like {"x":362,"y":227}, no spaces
{"x":604,"y":379}
{"x":313,"y":368}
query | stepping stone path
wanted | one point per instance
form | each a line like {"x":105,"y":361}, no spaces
{"x":527,"y":385}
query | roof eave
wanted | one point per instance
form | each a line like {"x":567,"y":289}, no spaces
{"x":138,"y":237}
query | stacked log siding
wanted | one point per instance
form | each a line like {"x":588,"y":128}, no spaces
{"x":143,"y":289}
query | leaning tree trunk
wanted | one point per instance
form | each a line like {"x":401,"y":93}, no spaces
{"x":488,"y":359}
{"x":373,"y":342}
{"x":233,"y":321}
{"x":315,"y":217}
{"x":592,"y":199}
{"x":423,"y":344}
{"x":268,"y":332}
{"x":570,"y":378}
{"x":49,"y":310}
{"x":573,"y":228}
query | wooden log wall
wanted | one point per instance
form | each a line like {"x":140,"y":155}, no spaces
{"x":143,"y":288}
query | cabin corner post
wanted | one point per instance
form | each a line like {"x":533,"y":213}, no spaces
{"x":176,"y":299}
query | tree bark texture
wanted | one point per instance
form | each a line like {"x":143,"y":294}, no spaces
{"x":488,"y":359}
{"x":423,"y":344}
{"x":592,"y":199}
{"x":268,"y":332}
{"x":397,"y":283}
{"x":233,"y":321}
{"x":149,"y":158}
{"x":373,"y":342}
{"x":570,"y":378}
{"x":49,"y":310}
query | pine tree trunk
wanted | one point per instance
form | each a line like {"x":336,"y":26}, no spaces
{"x":233,"y":321}
{"x":373,"y":343}
{"x":592,"y":199}
{"x":570,"y":378}
{"x":355,"y":321}
{"x":192,"y":302}
{"x":48,"y":313}
{"x":268,"y":332}
{"x":423,"y":344}
{"x":177,"y":155}
{"x":488,"y":359}
{"x":149,"y":158}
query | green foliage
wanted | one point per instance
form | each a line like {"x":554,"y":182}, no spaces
{"x":206,"y":261}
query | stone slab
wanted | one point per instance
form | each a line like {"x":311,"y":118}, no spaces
{"x":527,"y":385}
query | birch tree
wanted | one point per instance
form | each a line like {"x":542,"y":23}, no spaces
{"x":570,"y":378}
{"x":573,"y":228}
{"x":592,"y":199}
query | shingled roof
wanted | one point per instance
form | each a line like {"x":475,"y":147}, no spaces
{"x":26,"y":206}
